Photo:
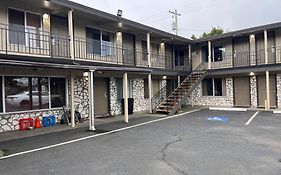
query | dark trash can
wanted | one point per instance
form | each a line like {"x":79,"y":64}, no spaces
{"x":130,"y":106}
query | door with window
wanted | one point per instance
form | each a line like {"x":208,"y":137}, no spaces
{"x":242,"y":91}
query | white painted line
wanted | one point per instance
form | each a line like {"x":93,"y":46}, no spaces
{"x":96,"y":135}
{"x":276,"y":112}
{"x":252,"y":118}
{"x":227,"y":109}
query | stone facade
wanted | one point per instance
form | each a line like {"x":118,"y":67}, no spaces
{"x":140,"y":103}
{"x":253,"y":91}
{"x":81,"y":96}
{"x":10,"y":122}
{"x":115,"y":104}
{"x":227,"y":100}
{"x":278,"y":89}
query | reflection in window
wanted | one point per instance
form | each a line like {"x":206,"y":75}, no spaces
{"x":219,"y":53}
{"x":40,"y":93}
{"x":16,"y":27}
{"x":17,"y":94}
{"x":58,"y":89}
{"x":213,"y":87}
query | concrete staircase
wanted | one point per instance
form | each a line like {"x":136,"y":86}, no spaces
{"x":172,"y":103}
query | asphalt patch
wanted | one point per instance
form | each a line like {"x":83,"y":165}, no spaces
{"x":279,"y":160}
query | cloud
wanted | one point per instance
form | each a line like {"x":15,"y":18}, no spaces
{"x":197,"y":16}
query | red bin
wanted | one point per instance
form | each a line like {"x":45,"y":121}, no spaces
{"x":26,"y":123}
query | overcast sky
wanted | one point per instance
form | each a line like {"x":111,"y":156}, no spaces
{"x":197,"y":16}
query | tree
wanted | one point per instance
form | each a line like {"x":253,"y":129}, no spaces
{"x":215,"y":31}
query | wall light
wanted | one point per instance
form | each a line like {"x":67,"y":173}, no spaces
{"x":46,"y":16}
{"x":85,"y":74}
{"x":164,"y":77}
{"x":252,"y":74}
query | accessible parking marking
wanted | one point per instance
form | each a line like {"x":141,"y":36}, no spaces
{"x":95,"y":135}
{"x":252,"y":118}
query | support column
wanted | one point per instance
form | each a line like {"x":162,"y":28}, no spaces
{"x":179,"y":80}
{"x":91,"y":101}
{"x":189,"y":57}
{"x":72,"y":110}
{"x":150,"y":92}
{"x":71,"y":33}
{"x":125,"y":95}
{"x":265,"y":47}
{"x":267,"y":104}
{"x":119,"y":43}
{"x":148,"y":49}
{"x":209,"y":55}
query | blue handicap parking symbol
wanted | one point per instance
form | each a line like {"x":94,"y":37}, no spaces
{"x":218,"y":118}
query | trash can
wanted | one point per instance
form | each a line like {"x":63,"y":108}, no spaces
{"x":130,"y":106}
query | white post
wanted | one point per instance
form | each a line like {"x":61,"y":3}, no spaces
{"x":71,"y":33}
{"x":209,"y":54}
{"x":179,"y":80}
{"x":72,"y":108}
{"x":148,"y":49}
{"x":91,"y":101}
{"x":125,"y":92}
{"x":189,"y":56}
{"x":150,"y":92}
{"x":265,"y":47}
{"x":267,"y":105}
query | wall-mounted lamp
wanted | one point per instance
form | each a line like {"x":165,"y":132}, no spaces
{"x":252,"y":36}
{"x":164,"y":77}
{"x":85,"y":74}
{"x":252,"y":74}
{"x":119,"y":13}
{"x":46,"y":16}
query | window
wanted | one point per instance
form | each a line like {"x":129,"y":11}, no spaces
{"x":146,"y":89}
{"x":58,"y":89}
{"x":24,"y":28}
{"x":213,"y":87}
{"x":26,"y":93}
{"x":98,"y":42}
{"x":1,"y":95}
{"x":144,"y":50}
{"x":219,"y":53}
{"x":204,"y":53}
{"x":119,"y":83}
{"x":16,"y":27}
{"x":179,"y":57}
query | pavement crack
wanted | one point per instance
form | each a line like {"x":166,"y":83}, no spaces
{"x":164,"y":156}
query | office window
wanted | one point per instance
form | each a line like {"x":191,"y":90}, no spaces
{"x":219,"y":53}
{"x":40,"y":93}
{"x":16,"y":27}
{"x":58,"y":92}
{"x":1,"y":95}
{"x":213,"y":87}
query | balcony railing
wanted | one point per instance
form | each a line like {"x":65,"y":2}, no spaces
{"x":243,"y":59}
{"x":19,"y":40}
{"x":27,"y":41}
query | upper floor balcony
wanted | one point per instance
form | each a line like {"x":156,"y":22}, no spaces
{"x":34,"y":42}
{"x":244,"y":59}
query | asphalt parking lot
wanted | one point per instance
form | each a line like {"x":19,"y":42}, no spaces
{"x":199,"y":143}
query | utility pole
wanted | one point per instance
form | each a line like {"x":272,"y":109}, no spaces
{"x":175,"y":22}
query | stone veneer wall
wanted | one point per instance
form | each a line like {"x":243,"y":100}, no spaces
{"x":227,"y":100}
{"x":115,"y":104}
{"x":81,"y":96}
{"x":278,"y":89}
{"x":253,"y":91}
{"x":10,"y":122}
{"x":140,"y":103}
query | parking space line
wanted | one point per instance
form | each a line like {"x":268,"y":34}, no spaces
{"x":96,"y":135}
{"x":252,"y":118}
